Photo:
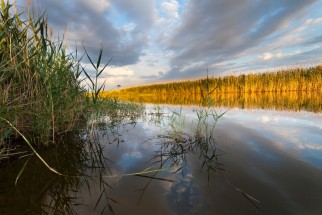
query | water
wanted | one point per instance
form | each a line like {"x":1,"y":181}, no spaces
{"x":254,"y":161}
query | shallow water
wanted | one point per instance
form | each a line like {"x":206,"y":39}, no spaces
{"x":252,"y":162}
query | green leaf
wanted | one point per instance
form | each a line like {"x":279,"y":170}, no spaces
{"x":88,"y":77}
{"x":104,"y":67}
{"x":22,"y":170}
{"x":99,"y":58}
{"x":89,"y":58}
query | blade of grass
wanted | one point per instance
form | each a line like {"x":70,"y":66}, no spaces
{"x":22,"y":170}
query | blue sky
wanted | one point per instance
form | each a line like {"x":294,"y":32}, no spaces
{"x":153,"y":41}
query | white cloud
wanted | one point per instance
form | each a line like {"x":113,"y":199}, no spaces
{"x":134,"y":154}
{"x":265,"y":119}
{"x":162,"y":22}
{"x":279,"y":55}
{"x":316,"y":21}
{"x":129,"y":27}
{"x":267,"y":56}
{"x":113,"y":76}
{"x":171,"y":8}
{"x":118,"y":71}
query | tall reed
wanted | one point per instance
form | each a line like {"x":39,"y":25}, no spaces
{"x":301,"y":79}
{"x":41,"y":91}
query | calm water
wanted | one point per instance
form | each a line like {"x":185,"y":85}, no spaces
{"x":254,"y":161}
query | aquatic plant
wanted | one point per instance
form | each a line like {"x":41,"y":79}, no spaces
{"x":40,"y":81}
{"x":43,"y":94}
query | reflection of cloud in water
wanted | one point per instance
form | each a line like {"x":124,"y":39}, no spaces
{"x":266,"y":119}
{"x":129,"y":159}
{"x":313,"y":156}
{"x":185,"y":197}
{"x":297,"y":134}
{"x":271,"y":145}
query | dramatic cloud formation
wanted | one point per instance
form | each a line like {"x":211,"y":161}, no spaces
{"x":164,"y":40}
{"x":219,"y":31}
{"x":96,"y":23}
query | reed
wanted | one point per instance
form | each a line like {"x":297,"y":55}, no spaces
{"x":291,"y":80}
{"x":41,"y":92}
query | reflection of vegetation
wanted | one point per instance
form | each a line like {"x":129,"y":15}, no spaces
{"x":40,"y":191}
{"x":177,"y":146}
{"x":174,"y":150}
{"x":295,"y":101}
{"x":177,"y":142}
{"x":85,"y":167}
{"x":298,"y":89}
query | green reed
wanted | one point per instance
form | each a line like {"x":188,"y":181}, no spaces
{"x":40,"y":82}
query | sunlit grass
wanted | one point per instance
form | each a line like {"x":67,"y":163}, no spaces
{"x":301,"y":79}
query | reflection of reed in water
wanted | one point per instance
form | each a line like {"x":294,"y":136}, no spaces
{"x":295,"y":101}
{"x":178,"y":146}
{"x":39,"y":191}
{"x":86,"y":172}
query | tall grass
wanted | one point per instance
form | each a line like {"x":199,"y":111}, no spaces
{"x":309,"y":79}
{"x":41,"y":92}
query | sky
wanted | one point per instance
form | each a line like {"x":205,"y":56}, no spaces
{"x":153,"y":41}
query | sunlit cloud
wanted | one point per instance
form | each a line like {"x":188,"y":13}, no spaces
{"x":189,"y":36}
{"x":171,"y":8}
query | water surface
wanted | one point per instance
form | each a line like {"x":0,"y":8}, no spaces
{"x":254,"y":161}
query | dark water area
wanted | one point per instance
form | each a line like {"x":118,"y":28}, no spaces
{"x":249,"y":161}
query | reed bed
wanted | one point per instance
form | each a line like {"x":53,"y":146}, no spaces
{"x":40,"y":81}
{"x":291,"y":80}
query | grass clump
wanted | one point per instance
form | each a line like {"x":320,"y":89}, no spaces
{"x":41,"y":92}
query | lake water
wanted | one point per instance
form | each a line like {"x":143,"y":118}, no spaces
{"x":249,"y":161}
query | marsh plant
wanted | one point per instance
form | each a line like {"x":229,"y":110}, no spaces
{"x":180,"y":137}
{"x":41,"y":92}
{"x":284,"y":80}
{"x":42,"y":83}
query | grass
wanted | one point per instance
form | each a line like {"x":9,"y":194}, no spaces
{"x":42,"y":93}
{"x":288,"y":80}
{"x":42,"y":85}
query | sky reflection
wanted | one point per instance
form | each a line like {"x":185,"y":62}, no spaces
{"x":263,"y":151}
{"x":273,"y":157}
{"x":291,"y":132}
